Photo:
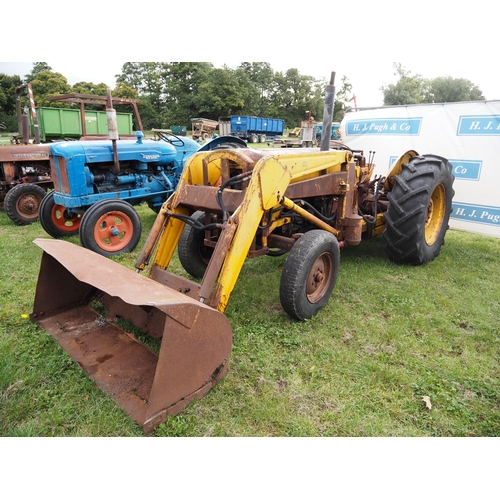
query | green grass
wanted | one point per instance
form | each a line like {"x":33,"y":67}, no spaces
{"x":389,"y":335}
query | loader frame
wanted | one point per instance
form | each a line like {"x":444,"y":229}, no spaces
{"x":256,"y":217}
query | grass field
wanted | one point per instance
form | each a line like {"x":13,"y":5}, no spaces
{"x":390,"y":337}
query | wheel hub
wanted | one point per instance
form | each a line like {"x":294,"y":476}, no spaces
{"x":319,"y":277}
{"x":28,"y":205}
{"x":113,"y":231}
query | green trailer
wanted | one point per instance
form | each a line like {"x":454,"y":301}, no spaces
{"x":62,"y":123}
{"x":47,"y":124}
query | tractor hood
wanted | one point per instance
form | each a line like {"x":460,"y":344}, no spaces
{"x":161,"y":153}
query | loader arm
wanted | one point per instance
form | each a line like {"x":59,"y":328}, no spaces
{"x":270,"y":180}
{"x":268,"y":177}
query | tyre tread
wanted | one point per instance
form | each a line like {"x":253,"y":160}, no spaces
{"x":408,"y":200}
{"x":11,"y":198}
{"x":296,"y":268}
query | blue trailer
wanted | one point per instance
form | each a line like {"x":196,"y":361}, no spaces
{"x":252,"y":128}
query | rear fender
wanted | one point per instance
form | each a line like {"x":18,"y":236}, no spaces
{"x":397,"y":167}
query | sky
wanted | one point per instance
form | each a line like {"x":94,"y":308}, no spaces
{"x":361,"y":40}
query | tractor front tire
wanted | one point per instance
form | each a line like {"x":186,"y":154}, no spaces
{"x":22,"y":203}
{"x":110,"y":227}
{"x":419,"y":210}
{"x":194,"y":255}
{"x":56,"y":220}
{"x":309,"y":274}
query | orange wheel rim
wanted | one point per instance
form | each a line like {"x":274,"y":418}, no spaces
{"x":62,"y":221}
{"x":113,"y":231}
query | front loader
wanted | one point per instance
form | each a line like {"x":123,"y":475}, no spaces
{"x":230,"y":205}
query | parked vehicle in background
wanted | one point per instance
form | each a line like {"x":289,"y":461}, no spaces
{"x":335,"y":131}
{"x":253,"y":129}
{"x":25,"y":173}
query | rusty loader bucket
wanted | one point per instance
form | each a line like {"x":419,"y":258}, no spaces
{"x":79,"y":297}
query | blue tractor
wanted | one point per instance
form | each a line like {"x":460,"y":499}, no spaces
{"x":97,"y":184}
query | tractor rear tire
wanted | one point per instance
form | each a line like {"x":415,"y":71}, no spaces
{"x":194,"y":255}
{"x":419,"y":210}
{"x":56,"y":220}
{"x":309,"y":274}
{"x":110,"y":227}
{"x":22,"y":203}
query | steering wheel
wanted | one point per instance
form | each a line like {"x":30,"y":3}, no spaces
{"x":177,"y":141}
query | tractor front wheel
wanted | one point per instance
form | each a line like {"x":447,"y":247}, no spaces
{"x":110,"y":227}
{"x":309,"y":274}
{"x":194,"y":255}
{"x":56,"y":220}
{"x":22,"y":203}
{"x":419,"y":210}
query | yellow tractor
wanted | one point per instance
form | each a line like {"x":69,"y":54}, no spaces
{"x":230,"y":205}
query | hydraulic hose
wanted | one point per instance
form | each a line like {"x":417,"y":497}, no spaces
{"x":233,"y":180}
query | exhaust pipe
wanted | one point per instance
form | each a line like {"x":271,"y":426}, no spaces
{"x":328,"y":114}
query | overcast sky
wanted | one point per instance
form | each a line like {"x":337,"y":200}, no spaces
{"x":358,"y":39}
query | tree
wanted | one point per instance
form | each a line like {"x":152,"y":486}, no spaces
{"x":342,"y":99}
{"x":47,"y":83}
{"x":293,"y":95}
{"x":448,"y":89}
{"x":224,"y":92}
{"x":89,"y":88}
{"x":415,"y":89}
{"x":168,"y":88}
{"x":148,"y":79}
{"x":38,"y":67}
{"x":145,"y":77}
{"x":8,"y":86}
{"x":261,"y":75}
{"x":182,"y":86}
{"x":408,"y":89}
{"x":178,"y":91}
{"x":125,"y":92}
